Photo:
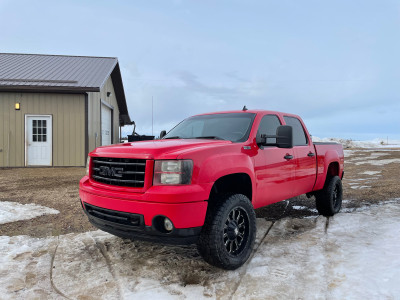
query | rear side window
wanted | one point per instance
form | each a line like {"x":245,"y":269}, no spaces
{"x":268,"y":126}
{"x":299,"y":135}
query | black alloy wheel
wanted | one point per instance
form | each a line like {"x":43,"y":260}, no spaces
{"x":329,"y":199}
{"x":336,"y":197}
{"x":236,"y":231}
{"x":228,"y":235}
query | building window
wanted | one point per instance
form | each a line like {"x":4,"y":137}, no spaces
{"x":39,"y":133}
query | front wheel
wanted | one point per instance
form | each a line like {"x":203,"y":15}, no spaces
{"x":329,"y":200}
{"x":229,"y":231}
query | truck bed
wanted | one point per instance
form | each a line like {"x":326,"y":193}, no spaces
{"x":327,"y":152}
{"x":325,"y":143}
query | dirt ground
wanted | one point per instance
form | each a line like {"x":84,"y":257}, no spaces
{"x":371,"y":175}
{"x":51,"y":187}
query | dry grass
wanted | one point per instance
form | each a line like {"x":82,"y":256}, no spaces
{"x":58,"y":188}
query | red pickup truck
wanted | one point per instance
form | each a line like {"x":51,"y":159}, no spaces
{"x":201,"y":182}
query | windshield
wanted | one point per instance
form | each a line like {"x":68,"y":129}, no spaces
{"x":234,"y":127}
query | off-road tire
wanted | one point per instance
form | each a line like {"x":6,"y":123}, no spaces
{"x":329,"y":199}
{"x":220,"y":242}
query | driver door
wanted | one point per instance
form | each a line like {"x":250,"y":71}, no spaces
{"x":274,"y":167}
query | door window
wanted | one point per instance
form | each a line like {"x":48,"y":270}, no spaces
{"x":268,"y":126}
{"x":39,"y":130}
{"x":299,"y":135}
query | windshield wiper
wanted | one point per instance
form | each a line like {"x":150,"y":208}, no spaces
{"x":210,"y":137}
{"x":172,"y":137}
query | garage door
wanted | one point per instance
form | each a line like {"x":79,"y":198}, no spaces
{"x":105,"y":125}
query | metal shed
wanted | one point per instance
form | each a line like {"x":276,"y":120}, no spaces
{"x":55,"y":109}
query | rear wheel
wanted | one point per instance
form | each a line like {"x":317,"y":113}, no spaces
{"x":229,"y":231}
{"x":329,"y":200}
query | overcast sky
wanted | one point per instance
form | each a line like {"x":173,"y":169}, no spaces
{"x":335,"y":63}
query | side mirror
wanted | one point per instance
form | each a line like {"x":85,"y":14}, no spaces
{"x":284,"y":136}
{"x":261,"y":139}
{"x":162,"y":134}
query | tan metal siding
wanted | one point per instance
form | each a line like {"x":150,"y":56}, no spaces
{"x":68,"y":111}
{"x":94,"y":120}
{"x":94,"y":123}
{"x":112,"y":100}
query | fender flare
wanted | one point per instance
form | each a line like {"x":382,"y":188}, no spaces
{"x":331,"y":156}
{"x":218,"y":166}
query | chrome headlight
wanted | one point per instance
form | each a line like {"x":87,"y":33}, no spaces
{"x":172,"y":172}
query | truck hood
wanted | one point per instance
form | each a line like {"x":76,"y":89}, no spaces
{"x":157,"y":149}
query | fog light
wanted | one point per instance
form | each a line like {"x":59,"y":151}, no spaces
{"x":168,"y":224}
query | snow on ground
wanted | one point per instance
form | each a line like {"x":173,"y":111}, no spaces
{"x":380,"y":162}
{"x":370,"y":172}
{"x":13,"y":211}
{"x":352,"y":255}
{"x":298,"y":207}
{"x":372,"y":156}
{"x":348,"y":153}
{"x":347,"y":143}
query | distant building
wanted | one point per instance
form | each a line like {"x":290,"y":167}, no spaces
{"x":54,"y":109}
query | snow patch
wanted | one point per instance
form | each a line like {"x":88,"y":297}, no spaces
{"x":297,"y":207}
{"x":374,"y":155}
{"x":381,"y":162}
{"x":348,"y":153}
{"x":364,"y":187}
{"x":13,"y":211}
{"x":370,"y":172}
{"x":348,"y":143}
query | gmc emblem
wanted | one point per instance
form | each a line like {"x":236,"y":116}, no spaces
{"x":111,"y":171}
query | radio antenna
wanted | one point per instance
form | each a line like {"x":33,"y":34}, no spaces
{"x":152,"y":115}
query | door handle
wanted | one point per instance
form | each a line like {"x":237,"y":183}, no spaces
{"x":311,"y":154}
{"x":288,"y":156}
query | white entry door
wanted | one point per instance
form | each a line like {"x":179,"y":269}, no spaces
{"x":38,"y":140}
{"x":105,"y":125}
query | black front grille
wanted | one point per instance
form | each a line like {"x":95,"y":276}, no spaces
{"x":119,"y":217}
{"x":119,"y":171}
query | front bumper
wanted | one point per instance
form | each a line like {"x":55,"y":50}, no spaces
{"x":107,"y":221}
{"x":110,"y":213}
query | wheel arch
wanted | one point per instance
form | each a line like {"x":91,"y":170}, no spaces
{"x":234,"y":183}
{"x":333,"y":169}
{"x":330,"y":166}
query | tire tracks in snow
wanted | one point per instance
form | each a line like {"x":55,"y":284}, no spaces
{"x":325,"y":263}
{"x":103,"y":252}
{"x":244,"y":272}
{"x":51,"y":272}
